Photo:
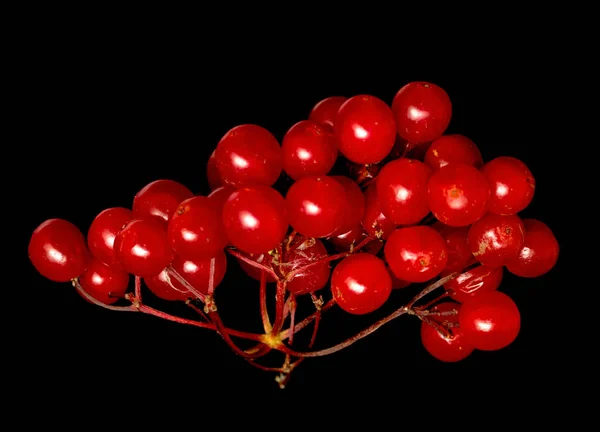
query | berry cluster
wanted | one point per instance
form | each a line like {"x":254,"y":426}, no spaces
{"x":406,"y":205}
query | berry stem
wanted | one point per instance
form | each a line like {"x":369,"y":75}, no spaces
{"x":138,"y":289}
{"x":198,"y":311}
{"x":279,"y":306}
{"x":225,"y":334}
{"x":253,"y":263}
{"x":211,"y":277}
{"x":440,"y":282}
{"x":172,"y":272}
{"x":305,"y":322}
{"x":433,"y":302}
{"x":79,"y":288}
{"x":264,"y":313}
{"x":292,"y":308}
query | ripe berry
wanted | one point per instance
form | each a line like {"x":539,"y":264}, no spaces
{"x":219,"y":197}
{"x":459,"y":254}
{"x":343,"y":242}
{"x":402,"y":191}
{"x":254,"y":272}
{"x":249,"y":155}
{"x":490,"y":321}
{"x":512,"y":185}
{"x":416,"y":254}
{"x":354,"y":204}
{"x":102,"y":233}
{"x":422,"y":110}
{"x":57,"y":250}
{"x":397,"y":283}
{"x":303,"y":251}
{"x":324,"y":112}
{"x":458,"y":194}
{"x":474,"y":282}
{"x":365,"y":129}
{"x":539,"y":253}
{"x":160,"y":199}
{"x":212,"y":173}
{"x":375,"y":223}
{"x":361,"y":284}
{"x":494,"y":239}
{"x":255,"y":219}
{"x":453,"y":148}
{"x":308,"y":150}
{"x":106,"y":284}
{"x":451,"y":349}
{"x":142,"y":247}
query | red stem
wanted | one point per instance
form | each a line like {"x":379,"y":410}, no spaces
{"x":264,"y":313}
{"x":138,"y":288}
{"x":224,"y":332}
{"x":253,"y":263}
{"x":305,"y":322}
{"x":198,"y":311}
{"x":292,"y":303}
{"x":279,"y":306}
{"x":172,"y":272}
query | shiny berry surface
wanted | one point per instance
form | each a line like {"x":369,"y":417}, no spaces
{"x":453,"y":148}
{"x":361,"y":284}
{"x":458,"y":194}
{"x":160,"y":199}
{"x":490,"y":321}
{"x":324,"y":111}
{"x":58,"y":251}
{"x":416,"y":254}
{"x":375,"y":223}
{"x":396,"y":282}
{"x":354,"y":204}
{"x":474,"y":282}
{"x":308,"y":149}
{"x":103,"y":230}
{"x":254,"y":272}
{"x":422,"y":110}
{"x":402,"y":191}
{"x":512,"y":185}
{"x":343,"y":242}
{"x":304,"y":251}
{"x":255,"y":219}
{"x":539,"y":253}
{"x":249,"y":155}
{"x":219,"y":197}
{"x":494,"y":239}
{"x":212,"y":173}
{"x":365,"y":129}
{"x":447,"y":349}
{"x":459,"y":254}
{"x":106,"y":284}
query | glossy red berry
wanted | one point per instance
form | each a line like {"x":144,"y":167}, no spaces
{"x":512,"y":185}
{"x":315,"y":206}
{"x":453,"y":148}
{"x":304,"y":251}
{"x":402,"y":191}
{"x":365,"y":129}
{"x":102,"y":233}
{"x":354,"y":204}
{"x":416,"y":254}
{"x":219,"y":197}
{"x":160,"y":199}
{"x":343,"y":242}
{"x":539,"y":253}
{"x":249,"y":155}
{"x":308,"y":149}
{"x":474,"y":282}
{"x":361,"y":284}
{"x":459,"y":254}
{"x":396,"y":282}
{"x":106,"y":284}
{"x":255,"y":219}
{"x":375,"y":223}
{"x":57,"y":250}
{"x":212,"y":173}
{"x":490,"y":321}
{"x":142,"y":247}
{"x":494,"y":239}
{"x":422,"y":110}
{"x":458,"y":194}
{"x":446,"y":349}
{"x":255,"y":272}
{"x":324,"y":112}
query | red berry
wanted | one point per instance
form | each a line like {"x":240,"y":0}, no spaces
{"x":106,"y":284}
{"x":254,"y":272}
{"x":249,"y":155}
{"x":397,"y":283}
{"x":416,"y":254}
{"x":512,"y":185}
{"x":308,"y":149}
{"x":361,"y":284}
{"x":459,"y":254}
{"x":539,"y":253}
{"x":142,"y":247}
{"x":255,"y":219}
{"x":422,"y":110}
{"x":196,"y":229}
{"x":375,"y":223}
{"x":343,"y":242}
{"x":57,"y":250}
{"x":304,"y":251}
{"x":490,"y":321}
{"x":214,"y":178}
{"x":365,"y":129}
{"x":402,"y":191}
{"x":458,"y":194}
{"x":160,"y":199}
{"x":219,"y":197}
{"x":453,"y":149}
{"x":315,"y":206}
{"x":102,"y":233}
{"x":325,"y":111}
{"x":474,"y":282}
{"x":354,"y":204}
{"x":494,"y":239}
{"x":452,"y":349}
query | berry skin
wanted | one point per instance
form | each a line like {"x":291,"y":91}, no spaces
{"x":308,"y":150}
{"x":196,"y":229}
{"x":397,"y":283}
{"x":343,"y":242}
{"x":375,"y":223}
{"x":219,"y":197}
{"x":102,"y":233}
{"x":490,"y":321}
{"x":354,"y":204}
{"x":416,"y":254}
{"x":458,"y":194}
{"x":422,"y":110}
{"x":255,"y":219}
{"x":57,"y":250}
{"x":474,"y":282}
{"x":361,"y":284}
{"x":402,"y":191}
{"x":539,"y":253}
{"x":449,"y":350}
{"x":249,"y":155}
{"x":512,"y":185}
{"x":365,"y":129}
{"x":142,"y":247}
{"x":453,"y":148}
{"x":212,"y":173}
{"x":160,"y":199}
{"x":315,"y":206}
{"x":106,"y":284}
{"x":494,"y":239}
{"x":459,"y":254}
{"x":324,"y":112}
{"x":304,"y":251}
{"x":255,"y":273}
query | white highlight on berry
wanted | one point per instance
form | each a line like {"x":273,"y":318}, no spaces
{"x":238,"y":161}
{"x":311,"y":208}
{"x":303,"y":154}
{"x":248,"y":220}
{"x":359,"y":131}
{"x":55,"y":255}
{"x":139,"y":251}
{"x":356,"y":287}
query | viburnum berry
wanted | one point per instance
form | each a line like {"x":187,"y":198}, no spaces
{"x":304,"y":251}
{"x":396,"y":282}
{"x":212,"y":173}
{"x":255,"y":272}
{"x":512,"y":185}
{"x":343,"y":242}
{"x":453,"y":148}
{"x":159,"y":199}
{"x":539,"y":253}
{"x":354,"y":204}
{"x":446,"y":349}
{"x":494,"y":239}
{"x":58,"y":251}
{"x":324,"y":111}
{"x":375,"y":223}
{"x":361,"y":284}
{"x":219,"y":197}
{"x":102,"y":233}
{"x":474,"y":282}
{"x":107,"y":284}
{"x":459,"y":254}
